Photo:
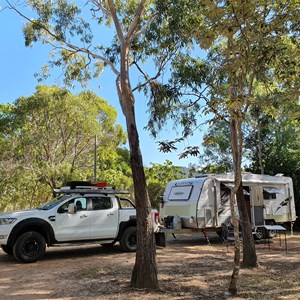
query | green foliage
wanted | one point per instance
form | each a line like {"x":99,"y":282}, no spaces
{"x":74,"y":30}
{"x":48,"y":139}
{"x":276,"y":149}
{"x":180,"y":98}
{"x":217,"y":154}
{"x":157,"y":178}
{"x":247,"y":43}
{"x":114,"y":168}
{"x":59,"y":24}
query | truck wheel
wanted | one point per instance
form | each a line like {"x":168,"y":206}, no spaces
{"x":29,"y":247}
{"x":7,"y":249}
{"x":128,"y":240}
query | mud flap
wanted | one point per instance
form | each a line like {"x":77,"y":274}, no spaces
{"x":160,"y":239}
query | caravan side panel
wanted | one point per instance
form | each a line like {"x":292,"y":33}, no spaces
{"x":181,"y":199}
{"x":279,"y":203}
{"x":207,"y":203}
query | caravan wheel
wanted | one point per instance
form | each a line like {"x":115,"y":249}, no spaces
{"x":270,"y":234}
{"x":259,"y":233}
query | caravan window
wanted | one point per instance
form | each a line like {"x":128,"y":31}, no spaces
{"x":225,"y":193}
{"x":271,"y":192}
{"x":180,"y":192}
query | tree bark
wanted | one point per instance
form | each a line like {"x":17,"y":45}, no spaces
{"x":259,"y":146}
{"x":235,"y":146}
{"x":236,"y":134}
{"x":237,"y":247}
{"x":249,"y":251}
{"x":144,"y":274}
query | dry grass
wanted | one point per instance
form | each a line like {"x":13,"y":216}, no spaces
{"x":188,"y":269}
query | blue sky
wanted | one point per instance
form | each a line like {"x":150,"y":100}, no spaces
{"x":19,"y":63}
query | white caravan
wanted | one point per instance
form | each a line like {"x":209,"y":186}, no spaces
{"x":204,"y":202}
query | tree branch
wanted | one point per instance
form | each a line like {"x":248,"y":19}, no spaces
{"x":165,"y":60}
{"x":63,"y":41}
{"x":130,"y":34}
{"x":142,"y":30}
{"x":116,"y":21}
{"x":99,"y":4}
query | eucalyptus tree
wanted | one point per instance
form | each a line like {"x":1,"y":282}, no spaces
{"x":50,"y":137}
{"x":274,"y":142}
{"x":216,"y":148}
{"x":249,"y":43}
{"x":75,"y":32}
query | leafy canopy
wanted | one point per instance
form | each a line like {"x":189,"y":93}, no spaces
{"x":48,"y":138}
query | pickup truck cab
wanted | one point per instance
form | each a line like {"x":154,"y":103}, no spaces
{"x":78,"y":215}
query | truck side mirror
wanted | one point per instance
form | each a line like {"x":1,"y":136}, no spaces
{"x":72,"y":208}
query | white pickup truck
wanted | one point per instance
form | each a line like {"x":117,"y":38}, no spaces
{"x":85,"y":214}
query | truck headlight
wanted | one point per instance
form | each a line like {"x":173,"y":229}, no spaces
{"x":6,"y":221}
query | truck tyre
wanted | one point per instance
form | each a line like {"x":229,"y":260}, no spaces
{"x":29,"y":247}
{"x":128,"y":239}
{"x":7,"y":249}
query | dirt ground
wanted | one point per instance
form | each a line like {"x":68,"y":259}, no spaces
{"x":188,"y":268}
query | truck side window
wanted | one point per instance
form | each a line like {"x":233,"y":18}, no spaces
{"x":100,"y":203}
{"x":81,"y":203}
{"x":64,"y":208}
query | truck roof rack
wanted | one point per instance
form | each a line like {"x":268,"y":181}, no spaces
{"x":88,"y":188}
{"x":90,"y":191}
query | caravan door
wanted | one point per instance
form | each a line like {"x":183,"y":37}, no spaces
{"x":257,"y":200}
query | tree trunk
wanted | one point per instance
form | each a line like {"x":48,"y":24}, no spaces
{"x":249,"y":251}
{"x":235,"y":146}
{"x":237,"y":247}
{"x":144,"y":274}
{"x":259,"y":146}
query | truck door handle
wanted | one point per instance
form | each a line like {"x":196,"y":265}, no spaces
{"x":51,"y":218}
{"x":110,"y":214}
{"x":83,"y":216}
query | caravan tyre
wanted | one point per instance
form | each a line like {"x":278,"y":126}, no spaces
{"x":259,"y":233}
{"x":270,"y":234}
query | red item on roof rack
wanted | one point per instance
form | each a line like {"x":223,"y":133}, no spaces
{"x":100,"y":184}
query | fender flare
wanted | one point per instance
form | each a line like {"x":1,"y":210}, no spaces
{"x":124,"y":225}
{"x":32,"y":224}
